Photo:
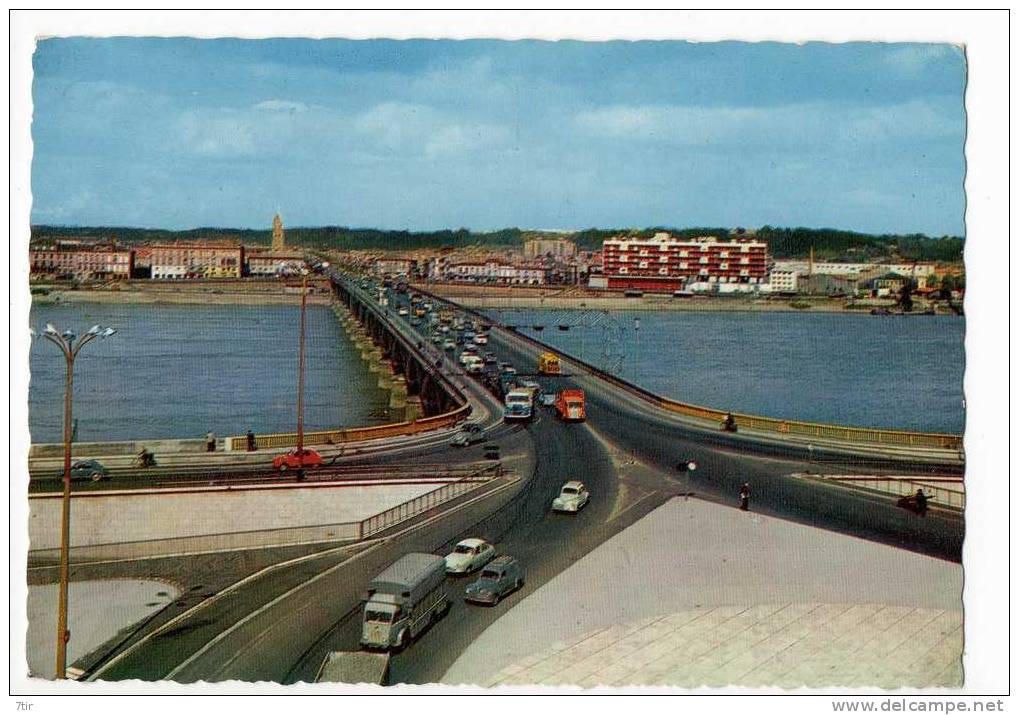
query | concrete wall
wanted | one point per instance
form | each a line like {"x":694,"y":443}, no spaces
{"x":146,"y":522}
{"x":80,"y":450}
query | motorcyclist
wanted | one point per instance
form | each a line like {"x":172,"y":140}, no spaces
{"x":145,"y":458}
{"x":729,"y":423}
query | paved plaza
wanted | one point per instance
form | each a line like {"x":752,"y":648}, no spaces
{"x":697,"y":594}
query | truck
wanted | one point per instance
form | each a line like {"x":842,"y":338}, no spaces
{"x":569,"y":404}
{"x":354,"y":667}
{"x":548,"y":364}
{"x":519,"y":405}
{"x":403,"y":600}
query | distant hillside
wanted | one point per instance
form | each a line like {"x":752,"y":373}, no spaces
{"x":828,"y":244}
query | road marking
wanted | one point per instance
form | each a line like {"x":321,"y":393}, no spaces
{"x":357,"y":556}
{"x":616,"y":513}
{"x":212,"y":599}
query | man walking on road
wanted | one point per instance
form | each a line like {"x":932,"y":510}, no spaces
{"x":744,"y":497}
{"x":210,"y":442}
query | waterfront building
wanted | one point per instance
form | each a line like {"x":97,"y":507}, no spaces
{"x":495,"y":271}
{"x":197,"y":259}
{"x":81,"y":261}
{"x":918,"y":272}
{"x":272,"y":263}
{"x":666,"y":263}
{"x":555,"y":247}
{"x":782,"y":281}
{"x":394,"y":265}
{"x":278,"y":240}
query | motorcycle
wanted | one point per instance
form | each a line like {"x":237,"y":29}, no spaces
{"x":145,"y":459}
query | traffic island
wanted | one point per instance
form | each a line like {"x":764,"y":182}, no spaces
{"x":701,"y":594}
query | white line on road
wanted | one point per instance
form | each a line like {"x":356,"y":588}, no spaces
{"x":219,"y":637}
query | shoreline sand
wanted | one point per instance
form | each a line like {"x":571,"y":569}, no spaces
{"x":185,"y":297}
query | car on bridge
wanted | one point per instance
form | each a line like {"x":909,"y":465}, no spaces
{"x":470,"y":433}
{"x":297,"y":459}
{"x":469,"y":555}
{"x":502,"y":576}
{"x":572,"y":498}
{"x":86,"y":469}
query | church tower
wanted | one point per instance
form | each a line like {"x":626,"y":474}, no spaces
{"x":277,"y":234}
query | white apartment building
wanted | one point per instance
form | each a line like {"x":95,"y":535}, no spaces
{"x":783,"y":280}
{"x":493,"y":272}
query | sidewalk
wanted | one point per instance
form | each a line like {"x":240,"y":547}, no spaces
{"x":700,"y":594}
{"x":97,"y":611}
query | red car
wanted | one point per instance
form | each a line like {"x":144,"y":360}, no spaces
{"x":297,"y":460}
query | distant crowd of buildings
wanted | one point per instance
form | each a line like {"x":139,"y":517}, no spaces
{"x":84,"y":260}
{"x":663,"y":263}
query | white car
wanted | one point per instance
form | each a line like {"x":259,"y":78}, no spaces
{"x":481,"y":339}
{"x":469,"y":555}
{"x":403,"y":312}
{"x":572,"y":498}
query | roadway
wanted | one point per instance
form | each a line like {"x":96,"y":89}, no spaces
{"x":625,"y":452}
{"x":726,"y":461}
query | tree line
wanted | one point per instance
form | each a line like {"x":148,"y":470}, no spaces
{"x":827,"y":244}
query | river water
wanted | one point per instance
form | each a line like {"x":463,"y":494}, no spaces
{"x":182,"y":370}
{"x":875,"y":371}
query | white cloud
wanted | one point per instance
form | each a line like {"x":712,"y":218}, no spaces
{"x":768,"y":127}
{"x":417,"y":129}
{"x":457,"y":138}
{"x":913,"y":60}
{"x":282,"y":105}
{"x":218,"y":133}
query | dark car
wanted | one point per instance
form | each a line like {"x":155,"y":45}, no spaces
{"x":490,"y":358}
{"x":86,"y":469}
{"x":470,"y":433}
{"x":501,"y":576}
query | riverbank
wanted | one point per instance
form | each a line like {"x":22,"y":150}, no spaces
{"x":213,"y":293}
{"x":503,"y":298}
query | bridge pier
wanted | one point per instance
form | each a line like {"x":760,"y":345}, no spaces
{"x":413,"y":389}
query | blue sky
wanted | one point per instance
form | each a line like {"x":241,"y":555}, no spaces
{"x":180,"y":133}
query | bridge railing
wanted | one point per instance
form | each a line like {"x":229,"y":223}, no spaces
{"x":353,"y":434}
{"x":428,"y":500}
{"x":362,"y":434}
{"x":860,"y":435}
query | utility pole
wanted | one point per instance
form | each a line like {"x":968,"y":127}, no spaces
{"x":300,"y":378}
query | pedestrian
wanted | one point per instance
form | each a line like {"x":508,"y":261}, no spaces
{"x":744,"y":497}
{"x":210,"y":441}
{"x":251,"y":440}
{"x":921,"y":502}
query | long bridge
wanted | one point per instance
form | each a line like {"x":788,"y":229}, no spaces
{"x":629,"y":453}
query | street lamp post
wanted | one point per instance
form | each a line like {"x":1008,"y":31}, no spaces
{"x":70,"y":348}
